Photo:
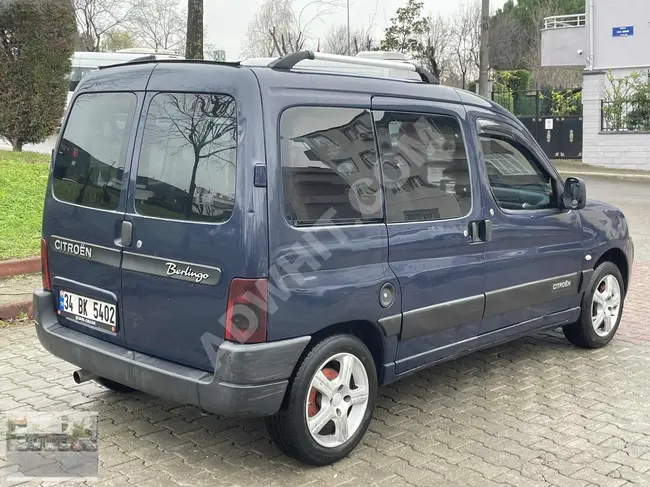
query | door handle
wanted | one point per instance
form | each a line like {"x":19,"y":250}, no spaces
{"x":126,"y":234}
{"x":474,"y":232}
{"x":480,"y":231}
{"x":485,"y":230}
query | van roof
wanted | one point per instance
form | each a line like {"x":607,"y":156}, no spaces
{"x":197,"y":74}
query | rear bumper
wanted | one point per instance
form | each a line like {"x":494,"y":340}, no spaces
{"x":249,"y":380}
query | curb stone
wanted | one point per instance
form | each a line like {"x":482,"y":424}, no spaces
{"x":596,"y":174}
{"x":11,"y":311}
{"x":15,"y":267}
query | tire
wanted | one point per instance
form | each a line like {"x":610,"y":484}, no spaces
{"x":114,"y":386}
{"x":583,"y":332}
{"x":288,"y":428}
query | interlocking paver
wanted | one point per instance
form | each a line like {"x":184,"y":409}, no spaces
{"x":536,"y":412}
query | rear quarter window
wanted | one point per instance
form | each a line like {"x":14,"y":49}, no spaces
{"x":329,"y":167}
{"x":89,"y":163}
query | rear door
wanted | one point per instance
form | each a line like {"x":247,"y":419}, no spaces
{"x":86,"y":201}
{"x":197,"y":218}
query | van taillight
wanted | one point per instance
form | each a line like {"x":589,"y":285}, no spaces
{"x":45,"y":267}
{"x":247,"y":310}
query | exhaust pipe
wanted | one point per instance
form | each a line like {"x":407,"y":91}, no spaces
{"x":81,"y":375}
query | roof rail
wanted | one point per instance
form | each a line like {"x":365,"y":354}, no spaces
{"x":143,"y":59}
{"x":290,"y":60}
{"x":153,"y":59}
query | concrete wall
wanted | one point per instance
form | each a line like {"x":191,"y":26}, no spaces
{"x":614,"y":150}
{"x":560,"y":47}
{"x":621,"y":52}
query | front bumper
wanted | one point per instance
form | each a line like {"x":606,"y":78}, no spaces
{"x":249,"y":380}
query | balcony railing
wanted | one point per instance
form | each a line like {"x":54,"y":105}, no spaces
{"x":563,"y":21}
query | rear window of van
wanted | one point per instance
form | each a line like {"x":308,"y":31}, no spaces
{"x":188,"y":159}
{"x":89,"y":163}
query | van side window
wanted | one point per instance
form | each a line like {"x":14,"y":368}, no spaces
{"x":188,"y":158}
{"x":89,"y":162}
{"x":329,"y":166}
{"x":517,"y":180}
{"x":425,"y":167}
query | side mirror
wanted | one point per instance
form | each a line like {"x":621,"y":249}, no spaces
{"x":575,"y":194}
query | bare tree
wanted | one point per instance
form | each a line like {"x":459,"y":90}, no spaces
{"x":97,"y":17}
{"x":279,"y":27}
{"x":466,"y":41}
{"x":336,"y":41}
{"x":159,"y":24}
{"x":437,"y":45}
{"x":508,"y":41}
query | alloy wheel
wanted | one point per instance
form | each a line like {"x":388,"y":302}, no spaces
{"x":606,"y":305}
{"x":337,"y":400}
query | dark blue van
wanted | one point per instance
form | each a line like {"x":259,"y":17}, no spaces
{"x":274,"y":242}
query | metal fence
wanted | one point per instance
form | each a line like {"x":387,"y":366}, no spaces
{"x":625,"y":115}
{"x":547,"y":102}
{"x":552,"y":115}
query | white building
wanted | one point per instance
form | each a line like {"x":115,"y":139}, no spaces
{"x":612,"y":38}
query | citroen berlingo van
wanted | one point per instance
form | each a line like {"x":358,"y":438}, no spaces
{"x":274,"y":241}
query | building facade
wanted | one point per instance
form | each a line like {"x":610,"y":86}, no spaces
{"x":610,"y":41}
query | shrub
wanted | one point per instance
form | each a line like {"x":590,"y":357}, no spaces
{"x":36,"y":42}
{"x":627,"y":102}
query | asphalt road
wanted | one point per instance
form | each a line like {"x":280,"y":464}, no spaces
{"x":44,"y":147}
{"x":634,"y":199}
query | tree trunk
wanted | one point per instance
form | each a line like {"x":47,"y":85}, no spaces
{"x":17,"y":145}
{"x":485,"y":53}
{"x":194,"y":46}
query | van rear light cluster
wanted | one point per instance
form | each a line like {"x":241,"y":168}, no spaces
{"x":45,"y":267}
{"x":246,"y":314}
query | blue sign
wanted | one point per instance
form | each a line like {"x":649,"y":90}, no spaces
{"x":625,"y":31}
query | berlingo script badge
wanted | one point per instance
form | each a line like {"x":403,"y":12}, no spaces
{"x":174,"y":270}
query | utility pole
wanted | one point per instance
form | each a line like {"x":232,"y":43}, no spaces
{"x":348,"y":27}
{"x":485,"y":53}
{"x":194,"y":42}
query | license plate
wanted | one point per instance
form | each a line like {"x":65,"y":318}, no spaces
{"x":88,"y":311}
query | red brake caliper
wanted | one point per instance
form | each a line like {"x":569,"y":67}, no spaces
{"x":314,"y":406}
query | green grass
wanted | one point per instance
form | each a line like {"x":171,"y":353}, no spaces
{"x":23,"y":178}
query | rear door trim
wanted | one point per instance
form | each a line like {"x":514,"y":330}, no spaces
{"x":174,"y":269}
{"x":86,"y":251}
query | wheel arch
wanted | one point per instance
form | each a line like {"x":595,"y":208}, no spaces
{"x":617,"y":257}
{"x":368,"y":332}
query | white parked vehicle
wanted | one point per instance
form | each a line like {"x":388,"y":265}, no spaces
{"x":86,"y":62}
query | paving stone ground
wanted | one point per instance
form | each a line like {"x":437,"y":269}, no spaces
{"x":18,"y":288}
{"x":535,"y":412}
